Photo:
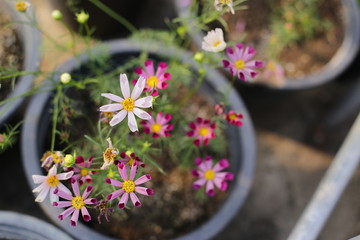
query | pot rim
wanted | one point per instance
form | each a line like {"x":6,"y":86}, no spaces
{"x":31,"y":152}
{"x":341,"y":60}
{"x":30,"y":41}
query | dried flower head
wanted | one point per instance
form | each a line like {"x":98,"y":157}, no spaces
{"x":109,"y":155}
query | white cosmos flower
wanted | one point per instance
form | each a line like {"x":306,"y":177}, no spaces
{"x":219,"y":5}
{"x":214,"y":41}
{"x":129,"y":105}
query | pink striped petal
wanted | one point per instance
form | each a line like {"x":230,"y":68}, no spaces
{"x":113,"y":182}
{"x":63,"y":194}
{"x":53,"y":197}
{"x":149,"y":66}
{"x":115,"y":194}
{"x":66,"y":213}
{"x":85,"y":214}
{"x":144,"y":191}
{"x":143,"y":179}
{"x":222,"y":164}
{"x":112,"y":97}
{"x":135,"y":200}
{"x":210,"y":188}
{"x":61,"y":204}
{"x":123,"y":200}
{"x":87,"y":192}
{"x":90,"y":201}
{"x":124,"y":85}
{"x":74,"y":218}
{"x":63,"y":188}
{"x":75,"y":187}
{"x":200,"y":182}
{"x":65,"y":176}
{"x":123,"y":171}
{"x":133,"y":171}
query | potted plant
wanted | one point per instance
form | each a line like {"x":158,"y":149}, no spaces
{"x":19,"y":60}
{"x":151,"y":157}
{"x":304,"y":43}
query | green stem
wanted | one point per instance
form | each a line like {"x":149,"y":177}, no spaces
{"x":114,"y":15}
{"x":55,"y":116}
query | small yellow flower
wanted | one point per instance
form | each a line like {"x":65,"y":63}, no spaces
{"x":82,"y":17}
{"x":22,"y":6}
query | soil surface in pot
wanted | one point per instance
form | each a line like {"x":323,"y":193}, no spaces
{"x":299,"y":59}
{"x":10,"y":53}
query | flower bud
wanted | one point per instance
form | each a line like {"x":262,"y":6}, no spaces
{"x":56,"y":15}
{"x":69,"y":160}
{"x":65,"y":78}
{"x":199,"y":56}
{"x":82,"y":17}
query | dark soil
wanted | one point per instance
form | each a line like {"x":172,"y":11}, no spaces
{"x":299,"y":59}
{"x":10,"y":53}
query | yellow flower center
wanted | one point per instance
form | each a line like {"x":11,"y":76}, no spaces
{"x":209,"y":175}
{"x":152,"y":81}
{"x":56,"y":158}
{"x":156,"y":127}
{"x":108,"y":114}
{"x":232,"y":116}
{"x":128,"y":104}
{"x":77,"y":202}
{"x":130,"y":162}
{"x":109,"y":155}
{"x":84,"y":172}
{"x":53,"y":181}
{"x":239,"y":64}
{"x":217,"y":43}
{"x":128,"y":186}
{"x":21,"y":6}
{"x":225,"y":1}
{"x":203,"y":132}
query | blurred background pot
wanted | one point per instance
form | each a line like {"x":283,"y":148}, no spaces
{"x":139,"y":13}
{"x":29,"y":39}
{"x":241,"y":140}
{"x":347,"y":15}
{"x":16,"y":226}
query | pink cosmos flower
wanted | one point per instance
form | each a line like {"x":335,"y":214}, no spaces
{"x":129,"y":159}
{"x":159,"y":127}
{"x":202,"y":130}
{"x":50,"y":183}
{"x":81,"y":174}
{"x":128,"y":187}
{"x":240,"y":63}
{"x":154,"y":80}
{"x":75,"y":203}
{"x":210,"y":175}
{"x":234,"y":118}
{"x":129,"y":105}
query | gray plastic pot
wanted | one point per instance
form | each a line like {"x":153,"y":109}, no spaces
{"x":16,"y":226}
{"x":242,"y":140}
{"x":341,"y":60}
{"x":30,"y":42}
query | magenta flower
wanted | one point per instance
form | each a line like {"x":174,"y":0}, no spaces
{"x":154,"y":80}
{"x":202,"y":130}
{"x":211,"y":175}
{"x":129,"y":105}
{"x":82,"y":174}
{"x":128,"y":187}
{"x":234,"y":118}
{"x":129,"y":159}
{"x":240,"y":63}
{"x":159,"y":127}
{"x":49,"y":183}
{"x":75,"y":203}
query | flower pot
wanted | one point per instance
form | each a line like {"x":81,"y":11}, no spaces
{"x":29,"y":40}
{"x":135,"y":12}
{"x":241,"y":141}
{"x":18,"y":226}
{"x":338,"y":63}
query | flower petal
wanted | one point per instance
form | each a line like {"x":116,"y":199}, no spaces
{"x":42,"y":195}
{"x":75,"y":217}
{"x":85,"y":214}
{"x":143,"y":179}
{"x":118,"y":118}
{"x":123,"y":200}
{"x":65,"y":176}
{"x":124,"y":85}
{"x":39,"y":179}
{"x":144,"y":191}
{"x":132,"y":122}
{"x":141,"y":114}
{"x":113,"y":107}
{"x":66,"y":213}
{"x":115,"y":194}
{"x":135,"y":200}
{"x":139,"y":87}
{"x":113,"y":97}
{"x":144,"y":102}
